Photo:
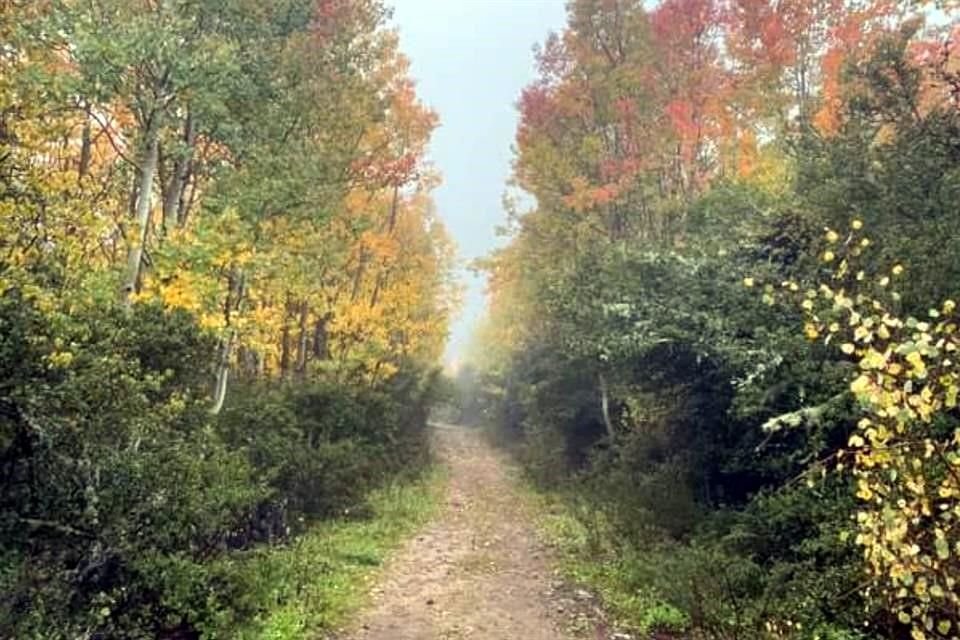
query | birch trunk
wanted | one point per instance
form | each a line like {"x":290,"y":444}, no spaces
{"x":605,"y":405}
{"x":148,"y":170}
{"x":223,"y":373}
{"x":235,"y":294}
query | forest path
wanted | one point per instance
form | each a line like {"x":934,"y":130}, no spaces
{"x":477,"y":571}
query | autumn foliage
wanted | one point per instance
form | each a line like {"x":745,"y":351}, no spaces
{"x":688,"y":161}
{"x":198,"y":198}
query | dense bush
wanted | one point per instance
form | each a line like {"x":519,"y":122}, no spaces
{"x":322,"y":447}
{"x":123,"y":501}
{"x":109,"y":468}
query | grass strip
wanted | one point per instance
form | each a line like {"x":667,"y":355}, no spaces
{"x":325,"y":575}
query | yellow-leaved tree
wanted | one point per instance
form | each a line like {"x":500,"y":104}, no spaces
{"x":904,"y":454}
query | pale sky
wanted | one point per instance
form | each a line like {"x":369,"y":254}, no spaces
{"x":471,"y":58}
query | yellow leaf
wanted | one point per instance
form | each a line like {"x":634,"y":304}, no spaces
{"x":916,"y":361}
{"x":951,"y":396}
{"x":873,"y":359}
{"x":60,"y":359}
{"x":860,"y":385}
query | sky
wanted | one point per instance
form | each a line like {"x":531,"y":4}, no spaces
{"x":470,"y":59}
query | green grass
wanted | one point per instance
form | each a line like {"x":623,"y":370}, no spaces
{"x":321,"y":578}
{"x":587,"y":557}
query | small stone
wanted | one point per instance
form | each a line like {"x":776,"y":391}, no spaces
{"x":583,"y":595}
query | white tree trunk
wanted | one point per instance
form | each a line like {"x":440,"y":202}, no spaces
{"x":605,"y":405}
{"x":235,"y":294}
{"x":148,"y":170}
{"x":223,"y":373}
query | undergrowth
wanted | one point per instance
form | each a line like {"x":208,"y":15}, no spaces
{"x":324,"y":575}
{"x":588,"y":558}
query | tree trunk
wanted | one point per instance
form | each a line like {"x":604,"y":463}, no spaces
{"x":321,"y":350}
{"x":301,"y":368}
{"x":148,"y":169}
{"x":223,"y":373}
{"x":285,"y":343}
{"x":187,"y":198}
{"x":358,"y":276}
{"x":394,"y":210}
{"x":235,"y":292}
{"x":605,"y":405}
{"x":174,"y":197}
{"x":375,"y":296}
{"x":86,"y":151}
{"x":391,"y":225}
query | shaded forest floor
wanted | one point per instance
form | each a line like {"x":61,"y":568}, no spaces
{"x":478,"y":570}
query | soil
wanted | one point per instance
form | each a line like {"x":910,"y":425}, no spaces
{"x":478,"y":571}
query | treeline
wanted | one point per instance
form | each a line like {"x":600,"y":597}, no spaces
{"x":222,"y":293}
{"x":724,"y":328}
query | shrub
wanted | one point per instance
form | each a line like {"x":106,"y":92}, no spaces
{"x":109,"y":471}
{"x":323,"y":447}
{"x":127,"y":511}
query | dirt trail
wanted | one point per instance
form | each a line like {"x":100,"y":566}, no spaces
{"x":478,"y":571}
